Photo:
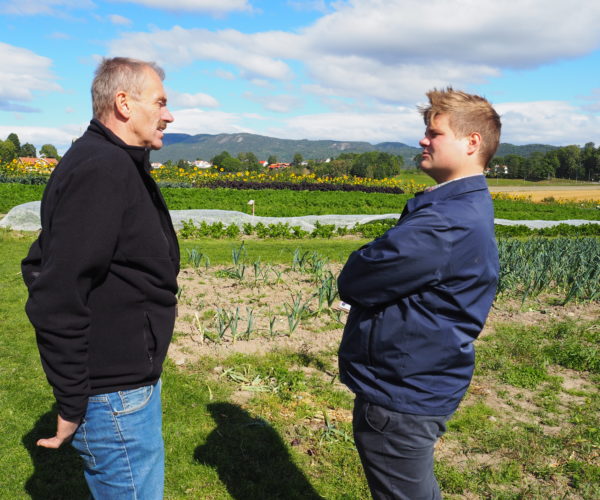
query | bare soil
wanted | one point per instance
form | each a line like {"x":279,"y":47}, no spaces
{"x":269,"y":302}
{"x":207,"y":291}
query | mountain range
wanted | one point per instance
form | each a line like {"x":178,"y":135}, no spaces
{"x":206,"y":146}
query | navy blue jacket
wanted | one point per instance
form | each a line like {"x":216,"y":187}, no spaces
{"x":420,"y":295}
{"x":102,"y":276}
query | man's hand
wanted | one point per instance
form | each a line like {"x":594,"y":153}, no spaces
{"x":64,"y":430}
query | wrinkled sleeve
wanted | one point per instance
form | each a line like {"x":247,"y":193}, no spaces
{"x":406,"y":259}
{"x":78,"y":248}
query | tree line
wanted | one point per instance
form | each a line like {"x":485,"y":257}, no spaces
{"x":12,"y":148}
{"x":373,"y":164}
{"x":567,"y":162}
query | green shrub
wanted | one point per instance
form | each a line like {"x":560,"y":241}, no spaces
{"x":232,"y":231}
{"x":323,"y":230}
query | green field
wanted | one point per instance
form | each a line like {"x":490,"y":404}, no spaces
{"x":282,"y":203}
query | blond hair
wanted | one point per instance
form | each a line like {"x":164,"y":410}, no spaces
{"x":115,"y":75}
{"x":467,"y":113}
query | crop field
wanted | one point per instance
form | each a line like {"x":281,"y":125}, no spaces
{"x":286,"y":203}
{"x":251,"y":389}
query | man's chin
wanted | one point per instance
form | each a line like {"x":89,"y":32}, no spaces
{"x":157,"y":143}
{"x":428,"y":169}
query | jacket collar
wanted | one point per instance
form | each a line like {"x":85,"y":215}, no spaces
{"x":450,"y":190}
{"x":139,"y":154}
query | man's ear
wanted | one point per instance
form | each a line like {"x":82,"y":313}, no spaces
{"x":122,"y":108}
{"x":474,"y":142}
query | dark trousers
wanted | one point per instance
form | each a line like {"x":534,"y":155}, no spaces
{"x":396,"y":451}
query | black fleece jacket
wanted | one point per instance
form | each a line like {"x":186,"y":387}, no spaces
{"x":102,"y":276}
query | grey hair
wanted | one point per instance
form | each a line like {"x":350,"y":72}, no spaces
{"x":115,"y":75}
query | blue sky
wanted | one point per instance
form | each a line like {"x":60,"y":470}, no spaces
{"x":343,"y":70}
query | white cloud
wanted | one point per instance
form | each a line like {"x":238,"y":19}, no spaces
{"x":259,"y":82}
{"x":224,"y":74}
{"x":119,"y":20}
{"x":61,"y":137}
{"x":396,"y":49}
{"x":308,"y":5}
{"x":180,"y":47}
{"x":280,"y":103}
{"x":356,"y":76}
{"x":547,"y":122}
{"x":24,"y":73}
{"x":255,"y":116}
{"x":402,"y":125}
{"x":211,"y":6}
{"x":45,"y":7}
{"x":186,"y":100}
{"x":197,"y":121}
{"x":523,"y":34}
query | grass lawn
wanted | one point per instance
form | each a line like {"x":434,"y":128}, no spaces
{"x":277,"y":424}
{"x":417,"y":176}
{"x":278,"y":251}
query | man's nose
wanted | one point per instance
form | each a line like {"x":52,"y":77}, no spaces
{"x":166,"y":116}
{"x":424,"y":142}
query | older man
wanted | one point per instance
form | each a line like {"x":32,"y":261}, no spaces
{"x":420,"y":295}
{"x":102,"y":284}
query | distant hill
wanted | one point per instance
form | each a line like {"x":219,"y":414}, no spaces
{"x":205,"y":146}
{"x":526,"y":150}
{"x":169,"y":139}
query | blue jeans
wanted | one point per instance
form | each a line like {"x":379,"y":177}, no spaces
{"x":120,"y":442}
{"x":396,"y":451}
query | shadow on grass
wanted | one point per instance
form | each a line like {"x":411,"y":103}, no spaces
{"x":58,"y":474}
{"x":251,"y":459}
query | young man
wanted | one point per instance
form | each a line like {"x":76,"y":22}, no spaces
{"x":102,"y":284}
{"x":420,"y":295}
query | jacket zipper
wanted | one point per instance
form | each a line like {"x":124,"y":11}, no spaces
{"x":147,"y":340}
